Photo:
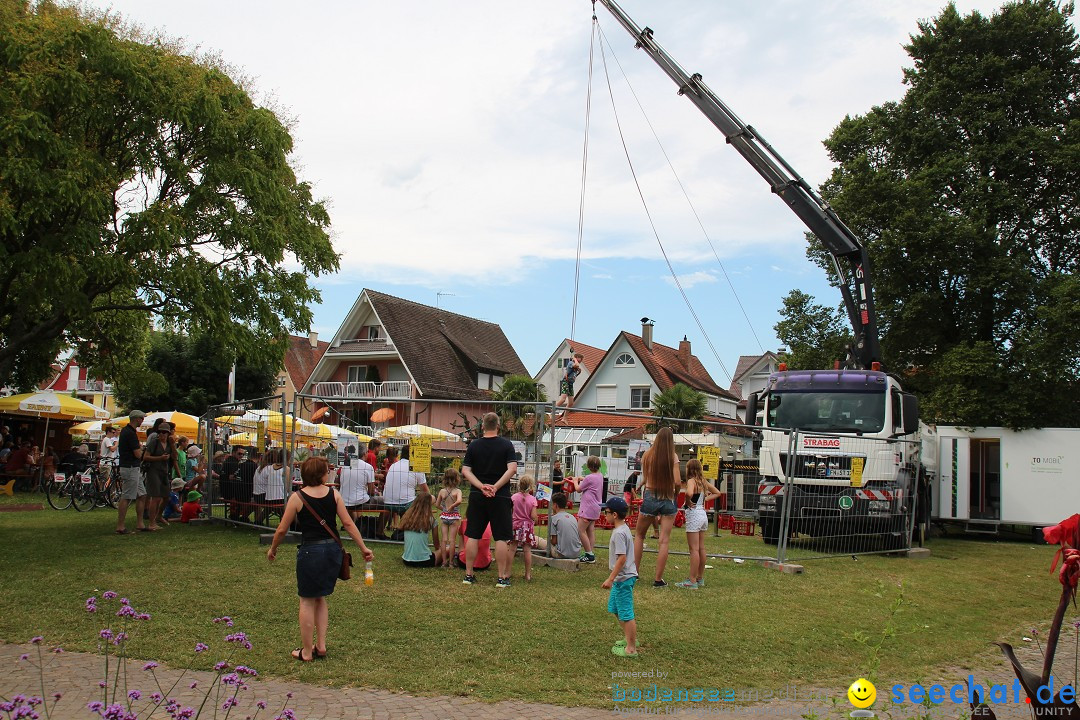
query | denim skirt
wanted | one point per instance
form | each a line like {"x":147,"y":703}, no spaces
{"x":317,"y":568}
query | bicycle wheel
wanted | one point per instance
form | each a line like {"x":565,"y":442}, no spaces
{"x":58,"y":493}
{"x":83,"y":495}
{"x":112,"y":491}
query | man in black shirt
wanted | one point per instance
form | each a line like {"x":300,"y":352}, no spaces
{"x":489,"y":464}
{"x":130,"y":452}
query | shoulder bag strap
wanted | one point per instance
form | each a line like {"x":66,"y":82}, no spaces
{"x":319,"y":517}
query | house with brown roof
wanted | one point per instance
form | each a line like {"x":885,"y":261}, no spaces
{"x":552,"y":372}
{"x":402,"y":355}
{"x":301,"y":357}
{"x":636,"y":368}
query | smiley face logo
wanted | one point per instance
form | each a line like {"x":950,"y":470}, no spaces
{"x":862,"y":693}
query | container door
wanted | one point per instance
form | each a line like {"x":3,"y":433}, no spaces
{"x":952,"y":491}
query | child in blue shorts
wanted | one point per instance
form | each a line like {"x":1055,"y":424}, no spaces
{"x":623,"y":576}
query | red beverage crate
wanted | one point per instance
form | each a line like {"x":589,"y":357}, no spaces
{"x":743,"y":527}
{"x":725,"y":521}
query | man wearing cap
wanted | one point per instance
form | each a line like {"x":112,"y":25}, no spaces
{"x":130,"y":453}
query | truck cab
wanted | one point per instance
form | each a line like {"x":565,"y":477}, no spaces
{"x":837,"y":448}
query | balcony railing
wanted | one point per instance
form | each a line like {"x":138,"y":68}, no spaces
{"x":94,"y":386}
{"x":396,"y":389}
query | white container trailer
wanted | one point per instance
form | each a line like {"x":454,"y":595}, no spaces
{"x":994,"y":476}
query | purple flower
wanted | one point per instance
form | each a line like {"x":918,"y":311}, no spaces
{"x":261,"y":704}
{"x":142,"y":616}
{"x":194,"y":685}
{"x":230,"y":679}
{"x":224,"y":619}
{"x":126,"y":611}
{"x":201,"y":647}
{"x":244,"y":670}
{"x":134,"y":694}
{"x":106,"y":634}
{"x":24,"y":657}
{"x":108,"y":595}
{"x":120,"y":637}
{"x":288,"y":695}
{"x":125,"y":601}
{"x":34,"y":701}
{"x":95,"y":706}
{"x":229,"y":702}
{"x":286,"y":714}
{"x":7,"y":707}
{"x":188,"y":712}
{"x":91,"y":604}
{"x":101,"y":684}
{"x":221,"y":666}
{"x":36,"y":640}
{"x":156,"y":697}
{"x":57,"y":696}
{"x":150,"y":665}
{"x":58,"y":649}
{"x":20,"y":698}
{"x":238,"y":637}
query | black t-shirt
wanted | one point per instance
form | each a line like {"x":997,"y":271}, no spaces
{"x":127,"y":445}
{"x":488,"y":458}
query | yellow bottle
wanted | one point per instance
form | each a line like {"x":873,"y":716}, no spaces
{"x":369,"y":574}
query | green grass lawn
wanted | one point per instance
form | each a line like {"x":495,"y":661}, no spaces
{"x":424,"y":632}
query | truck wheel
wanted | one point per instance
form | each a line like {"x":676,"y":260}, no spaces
{"x":770,"y":530}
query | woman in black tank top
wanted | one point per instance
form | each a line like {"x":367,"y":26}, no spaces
{"x":318,"y":559}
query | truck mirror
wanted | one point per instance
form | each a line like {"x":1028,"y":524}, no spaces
{"x":911,"y":413}
{"x":751,"y":409}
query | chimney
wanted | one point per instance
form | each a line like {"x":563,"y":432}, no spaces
{"x":313,"y":339}
{"x":646,"y":332}
{"x":684,"y":352}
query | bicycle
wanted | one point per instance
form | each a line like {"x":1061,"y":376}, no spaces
{"x":92,"y":490}
{"x":59,"y":490}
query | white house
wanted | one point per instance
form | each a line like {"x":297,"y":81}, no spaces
{"x":752,"y":376}
{"x":552,"y":371}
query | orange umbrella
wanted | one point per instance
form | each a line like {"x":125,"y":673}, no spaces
{"x":382,"y":415}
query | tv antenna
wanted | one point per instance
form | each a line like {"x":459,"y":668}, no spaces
{"x":440,"y":295}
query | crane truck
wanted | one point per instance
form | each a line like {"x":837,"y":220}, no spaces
{"x":857,"y":463}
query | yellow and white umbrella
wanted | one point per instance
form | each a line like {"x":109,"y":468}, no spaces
{"x":333,"y":432}
{"x":404,"y":432}
{"x":94,"y":429}
{"x":183,"y":424}
{"x":50,"y":404}
{"x":276,"y":423}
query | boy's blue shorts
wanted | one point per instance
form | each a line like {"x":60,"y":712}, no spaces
{"x":621,"y":599}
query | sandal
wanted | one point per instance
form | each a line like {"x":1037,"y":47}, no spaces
{"x":123,"y":532}
{"x":620,"y":643}
{"x":620,"y":650}
{"x":320,"y":655}
{"x":298,"y":654}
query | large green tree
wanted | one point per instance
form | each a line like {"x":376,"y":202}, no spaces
{"x":815,"y":335}
{"x":191,"y":372}
{"x":966,"y":192}
{"x":140,"y":186}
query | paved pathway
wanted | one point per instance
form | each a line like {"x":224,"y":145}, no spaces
{"x":76,"y":675}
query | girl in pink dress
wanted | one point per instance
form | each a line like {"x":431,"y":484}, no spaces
{"x":524,"y":521}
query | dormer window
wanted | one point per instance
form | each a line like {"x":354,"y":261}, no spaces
{"x":374,"y":332}
{"x":625,"y":360}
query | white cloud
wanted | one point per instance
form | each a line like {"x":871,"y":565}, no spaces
{"x":691,"y":279}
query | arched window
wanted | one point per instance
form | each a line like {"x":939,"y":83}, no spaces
{"x":624,"y":360}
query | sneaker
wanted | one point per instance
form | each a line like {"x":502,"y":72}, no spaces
{"x":469,"y":580}
{"x":659,"y":584}
{"x":701,"y":583}
{"x":502,"y":583}
{"x":587,"y":558}
{"x":688,"y":584}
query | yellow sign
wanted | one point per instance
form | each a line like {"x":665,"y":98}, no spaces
{"x":456,"y":464}
{"x":420,"y":455}
{"x":856,"y":471}
{"x":260,"y":442}
{"x":709,"y":457}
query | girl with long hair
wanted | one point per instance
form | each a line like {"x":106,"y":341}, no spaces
{"x":417,"y":524}
{"x":660,"y":468}
{"x":698,"y":491}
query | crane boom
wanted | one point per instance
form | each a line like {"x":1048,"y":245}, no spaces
{"x":848,"y":253}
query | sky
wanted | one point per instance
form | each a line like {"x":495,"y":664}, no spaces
{"x":447,"y":140}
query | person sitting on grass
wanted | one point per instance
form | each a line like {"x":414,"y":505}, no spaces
{"x":564,"y":530}
{"x":623,"y":576}
{"x":191,"y":509}
{"x":172,"y":504}
{"x":484,"y":558}
{"x":418,"y":523}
